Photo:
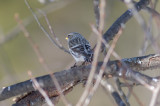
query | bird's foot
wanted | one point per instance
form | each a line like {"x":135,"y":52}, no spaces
{"x":74,"y":65}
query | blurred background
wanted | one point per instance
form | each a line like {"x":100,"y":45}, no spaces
{"x":65,"y":16}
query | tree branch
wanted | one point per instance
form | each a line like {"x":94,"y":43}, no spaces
{"x":147,"y":62}
{"x":47,"y":9}
{"x":116,"y":26}
{"x":71,"y":77}
{"x":44,"y":31}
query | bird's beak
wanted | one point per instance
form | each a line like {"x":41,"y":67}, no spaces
{"x":66,"y":38}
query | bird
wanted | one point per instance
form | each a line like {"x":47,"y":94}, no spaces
{"x":79,"y":47}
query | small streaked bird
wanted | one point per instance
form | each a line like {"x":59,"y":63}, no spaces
{"x":79,"y":47}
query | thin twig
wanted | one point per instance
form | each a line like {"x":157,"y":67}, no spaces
{"x":141,"y":21}
{"x":96,"y":12}
{"x":113,"y":53}
{"x":155,"y":15}
{"x":122,"y":94}
{"x":124,"y":18}
{"x":47,"y":9}
{"x":73,"y":76}
{"x":96,"y":54}
{"x":51,"y":29}
{"x":37,"y":86}
{"x":112,"y":91}
{"x":155,"y":95}
{"x":143,"y":82}
{"x":40,"y":58}
{"x":119,"y":58}
{"x":103,"y":67}
{"x":45,"y":32}
{"x":92,"y":72}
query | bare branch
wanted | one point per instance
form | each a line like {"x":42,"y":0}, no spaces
{"x":96,"y":12}
{"x":155,"y":96}
{"x":103,"y":67}
{"x":47,"y":9}
{"x":34,"y":98}
{"x":58,"y":84}
{"x":45,"y":32}
{"x":51,"y":29}
{"x":40,"y":57}
{"x":37,"y":86}
{"x":71,"y":77}
{"x":108,"y":87}
{"x":147,"y":62}
{"x":122,"y":94}
{"x":140,"y":20}
{"x":96,"y":53}
{"x":113,"y":30}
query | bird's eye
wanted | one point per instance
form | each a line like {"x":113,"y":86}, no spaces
{"x":69,"y":36}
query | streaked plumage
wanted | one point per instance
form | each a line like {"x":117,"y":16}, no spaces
{"x":79,"y":47}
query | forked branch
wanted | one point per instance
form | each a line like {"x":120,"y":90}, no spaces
{"x":71,"y":77}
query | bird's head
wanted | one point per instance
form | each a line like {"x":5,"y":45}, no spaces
{"x":72,"y":35}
